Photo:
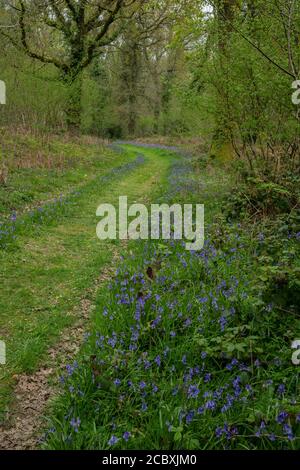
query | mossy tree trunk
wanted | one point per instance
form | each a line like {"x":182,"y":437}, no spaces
{"x":222,"y":143}
{"x":82,"y":30}
{"x":73,"y":108}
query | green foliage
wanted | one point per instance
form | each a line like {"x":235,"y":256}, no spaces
{"x":264,"y":198}
{"x":187,"y":350}
{"x":164,"y":382}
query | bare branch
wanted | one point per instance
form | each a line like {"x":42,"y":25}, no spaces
{"x":29,"y":52}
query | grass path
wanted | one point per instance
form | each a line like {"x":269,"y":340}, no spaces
{"x":186,"y":350}
{"x":46,"y":277}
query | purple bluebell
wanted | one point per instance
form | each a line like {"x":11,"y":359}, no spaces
{"x":287,"y":429}
{"x":281,"y":389}
{"x":157,"y":360}
{"x":210,"y":405}
{"x":190,"y":416}
{"x":144,"y":406}
{"x":126,"y":436}
{"x":282,"y":417}
{"x":193,"y":391}
{"x":75,"y":423}
{"x":207,"y":377}
{"x":113,"y":441}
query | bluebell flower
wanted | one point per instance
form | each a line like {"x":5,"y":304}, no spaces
{"x":210,"y":405}
{"x":187,"y":322}
{"x":112,"y":341}
{"x":226,"y":407}
{"x":282,"y":417}
{"x":169,"y":426}
{"x":157,"y":360}
{"x":287,"y":429}
{"x":126,"y":436}
{"x":193,"y":391}
{"x":166,"y":351}
{"x":281,"y":389}
{"x":75,"y":423}
{"x":190,"y":416}
{"x":223,"y":322}
{"x":232,"y":310}
{"x":207,"y":377}
{"x":113,"y":440}
{"x":105,"y":312}
{"x":144,"y":406}
{"x":236,"y":382}
{"x":71,"y":368}
{"x":156,"y":322}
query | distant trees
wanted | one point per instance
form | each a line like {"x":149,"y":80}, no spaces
{"x":222,"y":69}
{"x":142,"y":57}
{"x":124,"y":51}
{"x":68,"y":34}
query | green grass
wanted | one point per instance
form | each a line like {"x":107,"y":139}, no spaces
{"x":55,"y":167}
{"x":188,"y":355}
{"x":53,"y":262}
{"x":206,"y":364}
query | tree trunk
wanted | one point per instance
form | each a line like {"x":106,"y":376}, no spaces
{"x":222,"y":145}
{"x":132,"y":117}
{"x":73,"y":102}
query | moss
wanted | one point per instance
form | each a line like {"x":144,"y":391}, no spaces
{"x":222,"y":152}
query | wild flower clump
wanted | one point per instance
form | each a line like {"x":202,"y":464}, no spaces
{"x":183,"y":355}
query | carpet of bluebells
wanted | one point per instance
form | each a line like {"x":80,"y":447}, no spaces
{"x":186,"y":352}
{"x":54,"y":210}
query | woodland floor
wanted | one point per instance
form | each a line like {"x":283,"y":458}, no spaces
{"x":48,"y":288}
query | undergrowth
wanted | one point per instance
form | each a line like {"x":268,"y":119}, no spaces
{"x":190,"y":350}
